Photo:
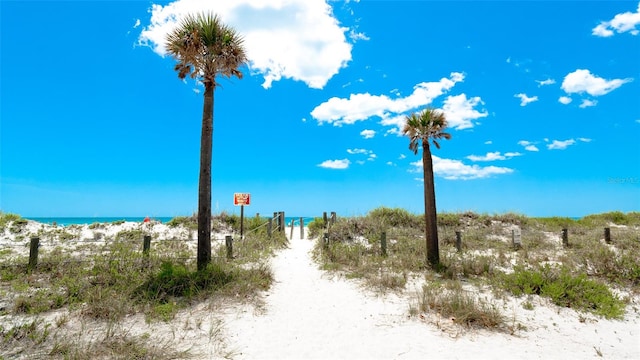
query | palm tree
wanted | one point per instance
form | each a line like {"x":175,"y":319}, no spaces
{"x":205,"y":48}
{"x":428,"y":125}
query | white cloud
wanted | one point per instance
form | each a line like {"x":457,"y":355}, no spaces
{"x":367,"y":134}
{"x":359,"y":107}
{"x":581,"y":81}
{"x":565,"y":100}
{"x":488,"y":142}
{"x":545,"y":82}
{"x":560,"y":145}
{"x":493,"y":156}
{"x":372,"y":157}
{"x":355,"y":36}
{"x":588,"y":103}
{"x":625,"y":22}
{"x":137,"y":23}
{"x":390,"y":163}
{"x":358,"y":151}
{"x":335,"y":164}
{"x":460,"y":111}
{"x":584,"y":140}
{"x":524,"y":99}
{"x":529,"y":146}
{"x":294,"y":39}
{"x":403,"y":156}
{"x":456,"y":170}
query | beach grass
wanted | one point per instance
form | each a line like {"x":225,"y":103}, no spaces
{"x":113,"y":279}
{"x":587,"y":273}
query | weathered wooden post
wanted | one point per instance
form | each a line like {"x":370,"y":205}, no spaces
{"x":301,"y":228}
{"x":276,"y":216}
{"x":228,"y":241}
{"x":383,"y":243}
{"x":516,"y":236}
{"x":565,"y":237}
{"x":33,"y":253}
{"x":282,"y":221}
{"x":458,"y":240}
{"x":607,"y":235}
{"x":325,"y":239}
{"x":333,"y":217}
{"x":291,"y":232}
{"x":146,"y":245}
{"x":325,"y":220}
{"x":269,"y":227}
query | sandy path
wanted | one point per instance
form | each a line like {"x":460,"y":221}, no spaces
{"x":309,"y":315}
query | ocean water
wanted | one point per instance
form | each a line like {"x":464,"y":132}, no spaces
{"x":66,"y":221}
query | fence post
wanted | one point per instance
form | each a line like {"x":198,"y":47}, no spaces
{"x":458,"y":240}
{"x":383,"y":243}
{"x":33,"y":253}
{"x":269,"y":227}
{"x":146,"y":245}
{"x":291,"y":233}
{"x":607,"y":235}
{"x":282,"y":221}
{"x":325,"y":239}
{"x":228,"y":241}
{"x":276,"y":217}
{"x":516,"y":238}
{"x":565,"y":237}
{"x":325,"y":220}
{"x":301,"y":228}
{"x":333,"y":217}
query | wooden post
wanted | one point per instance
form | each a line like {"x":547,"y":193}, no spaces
{"x":146,"y":245}
{"x":241,"y":222}
{"x":276,"y":216}
{"x":291,"y":233}
{"x":607,"y":235}
{"x":269,"y":227}
{"x":565,"y":237}
{"x":282,"y":221}
{"x":333,"y":217}
{"x":228,"y":241}
{"x":325,"y":239}
{"x":383,"y":243}
{"x":325,"y":220}
{"x":301,"y":228}
{"x":516,"y":238}
{"x":458,"y":240}
{"x":33,"y":253}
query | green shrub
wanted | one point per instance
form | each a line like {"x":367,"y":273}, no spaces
{"x":565,"y":289}
{"x":316,"y":227}
{"x":130,"y":235}
{"x":6,"y":218}
{"x":189,"y":222}
{"x":175,"y":280}
{"x":396,"y":217}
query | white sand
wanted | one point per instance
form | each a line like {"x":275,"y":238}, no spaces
{"x":309,"y":314}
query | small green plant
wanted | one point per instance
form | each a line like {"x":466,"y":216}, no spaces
{"x":565,"y":289}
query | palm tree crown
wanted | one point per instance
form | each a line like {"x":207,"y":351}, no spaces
{"x":427,"y":125}
{"x":205,"y":47}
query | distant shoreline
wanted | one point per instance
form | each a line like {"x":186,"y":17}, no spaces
{"x":72,"y":220}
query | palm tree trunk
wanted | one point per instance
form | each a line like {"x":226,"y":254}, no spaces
{"x":431,"y":231}
{"x":204,"y":183}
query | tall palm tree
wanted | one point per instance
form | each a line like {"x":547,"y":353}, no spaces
{"x":428,"y":125}
{"x":206,"y":48}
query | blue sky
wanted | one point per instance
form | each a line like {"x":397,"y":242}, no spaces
{"x":543,"y":100}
